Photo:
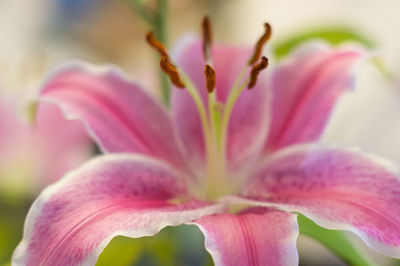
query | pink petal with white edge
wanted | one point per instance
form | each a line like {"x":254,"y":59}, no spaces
{"x":251,"y":109}
{"x":73,"y":220}
{"x":305,"y":89}
{"x":338,"y":188}
{"x":118,"y":113}
{"x":257,"y":236}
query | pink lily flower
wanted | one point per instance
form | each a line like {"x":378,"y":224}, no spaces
{"x":237,"y":163}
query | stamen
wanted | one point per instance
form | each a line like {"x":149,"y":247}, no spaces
{"x":258,"y":48}
{"x":171,"y":71}
{"x":209,"y":72}
{"x":256,"y":70}
{"x":207,"y":38}
{"x":156,"y":44}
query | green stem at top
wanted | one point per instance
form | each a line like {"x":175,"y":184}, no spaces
{"x":160,"y":31}
{"x":157,"y":19}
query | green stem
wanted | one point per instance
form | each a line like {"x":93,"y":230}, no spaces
{"x":158,"y":22}
{"x":160,"y":31}
{"x":336,"y":241}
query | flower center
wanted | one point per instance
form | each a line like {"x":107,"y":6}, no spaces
{"x":215,"y":120}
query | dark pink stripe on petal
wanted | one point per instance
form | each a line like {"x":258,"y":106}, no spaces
{"x":338,"y":188}
{"x":257,"y":236}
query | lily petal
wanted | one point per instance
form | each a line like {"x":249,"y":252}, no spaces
{"x":131,"y":195}
{"x":34,"y":147}
{"x":338,"y":188}
{"x":118,"y":113}
{"x":59,"y":138}
{"x":257,"y":236}
{"x":305,"y":90}
{"x":251,"y":108}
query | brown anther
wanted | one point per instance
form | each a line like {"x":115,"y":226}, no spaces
{"x":260,"y":43}
{"x":256,"y":70}
{"x":209,"y":72}
{"x":171,"y":71}
{"x":207,"y":37}
{"x":156,"y":44}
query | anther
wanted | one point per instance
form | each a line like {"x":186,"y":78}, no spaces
{"x":256,"y":70}
{"x":260,"y":43}
{"x":156,"y":44}
{"x":171,"y":71}
{"x":207,"y":37}
{"x":209,"y":73}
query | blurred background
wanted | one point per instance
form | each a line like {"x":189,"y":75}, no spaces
{"x":38,"y":35}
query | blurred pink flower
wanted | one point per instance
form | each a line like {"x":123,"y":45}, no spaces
{"x":237,"y":163}
{"x":33,"y":156}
